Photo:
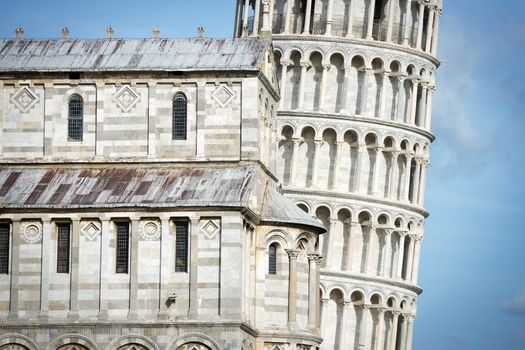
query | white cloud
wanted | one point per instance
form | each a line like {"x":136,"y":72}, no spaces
{"x":516,"y":304}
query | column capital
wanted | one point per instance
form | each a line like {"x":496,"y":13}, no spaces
{"x":401,"y":232}
{"x":347,"y":303}
{"x":326,"y":66}
{"x":318,"y":143}
{"x":305,"y":64}
{"x":395,"y":313}
{"x":415,"y":79}
{"x":401,"y":78}
{"x":315,"y":257}
{"x":297,"y":140}
{"x":418,"y":238}
{"x":285,"y":62}
{"x":292,"y":253}
{"x":425,"y":163}
{"x":325,"y":301}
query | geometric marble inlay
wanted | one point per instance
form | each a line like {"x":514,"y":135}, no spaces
{"x":126,"y":98}
{"x":150,"y":230}
{"x":210,"y":228}
{"x":31,"y":232}
{"x":91,"y":230}
{"x":24,"y":99}
{"x":223,"y":95}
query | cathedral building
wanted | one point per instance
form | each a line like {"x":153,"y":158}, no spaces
{"x":257,"y":193}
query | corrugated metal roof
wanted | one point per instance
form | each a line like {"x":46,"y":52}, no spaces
{"x":48,"y":188}
{"x":131,"y":55}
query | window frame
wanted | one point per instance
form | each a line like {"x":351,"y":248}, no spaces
{"x":60,"y":252}
{"x":179,"y":122}
{"x":272,"y":258}
{"x":182,"y":248}
{"x":5,"y":258}
{"x":78,"y":120}
{"x":121,"y":247}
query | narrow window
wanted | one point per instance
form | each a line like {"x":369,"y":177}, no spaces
{"x":63,"y":248}
{"x":75,"y":118}
{"x":122,"y":247}
{"x":272,"y":259}
{"x":181,"y":247}
{"x":180,"y":112}
{"x":4,"y":249}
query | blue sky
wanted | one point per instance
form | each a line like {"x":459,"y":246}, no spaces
{"x":473,"y":257}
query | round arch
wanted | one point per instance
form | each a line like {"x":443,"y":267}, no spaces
{"x":124,"y":341}
{"x":18,"y":339}
{"x":72,"y":339}
{"x":193,"y":338}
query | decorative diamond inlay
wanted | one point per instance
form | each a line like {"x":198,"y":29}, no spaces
{"x":24,"y":99}
{"x":210,"y":229}
{"x":126,"y":98}
{"x":91,"y":231}
{"x":223,"y":95}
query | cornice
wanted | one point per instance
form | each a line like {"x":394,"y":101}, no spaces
{"x":35,"y":324}
{"x":366,"y":120}
{"x":349,"y":196}
{"x":363,"y":42}
{"x":339,"y":274}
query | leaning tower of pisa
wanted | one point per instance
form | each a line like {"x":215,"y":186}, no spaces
{"x":357,"y":79}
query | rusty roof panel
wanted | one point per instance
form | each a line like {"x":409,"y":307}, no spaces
{"x":131,"y":55}
{"x":48,"y":188}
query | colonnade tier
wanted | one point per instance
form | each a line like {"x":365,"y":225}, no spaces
{"x":410,"y":23}
{"x":352,"y":85}
{"x":365,"y":166}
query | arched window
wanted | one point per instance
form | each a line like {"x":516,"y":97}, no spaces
{"x":75,"y":118}
{"x":180,"y":112}
{"x":272,"y":259}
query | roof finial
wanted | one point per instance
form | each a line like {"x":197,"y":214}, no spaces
{"x":65,"y":33}
{"x":19,"y":33}
{"x":200,"y":30}
{"x":156,"y":32}
{"x":109,"y":32}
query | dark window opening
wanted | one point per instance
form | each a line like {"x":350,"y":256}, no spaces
{"x":272,"y":259}
{"x":181,"y":246}
{"x":63,"y":248}
{"x":4,"y":249}
{"x":75,"y":119}
{"x":180,"y":113}
{"x":74,"y":76}
{"x":122,"y":247}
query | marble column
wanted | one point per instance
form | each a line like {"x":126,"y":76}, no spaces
{"x":406,"y":25}
{"x":14,"y":301}
{"x":245,"y":30}
{"x":428,"y":112}
{"x":322,"y":93}
{"x":357,"y":186}
{"x":362,"y":328}
{"x":387,"y":253}
{"x":422,"y":106}
{"x":296,"y":142}
{"x":401,"y":254}
{"x":45,"y":270}
{"x":315,"y":175}
{"x":416,"y":187}
{"x":350,"y":20}
{"x":354,"y":225}
{"x":256,"y":15}
{"x":288,"y":16}
{"x":364,"y":97}
{"x":410,"y":258}
{"x":408,"y":171}
{"x":390,"y":25}
{"x":422,"y":187}
{"x":370,"y":24}
{"x":324,"y":315}
{"x":420,"y":18}
{"x":267,"y":20}
{"x":164,"y":270}
{"x":284,"y":72}
{"x":313,"y":288}
{"x":415,"y":263}
{"x":435,"y":35}
{"x":337,"y":163}
{"x":307,"y":18}
{"x":302,"y":82}
{"x":104,"y":269}
{"x":348,"y":100}
{"x":343,"y":340}
{"x":330,"y":247}
{"x":380,"y":328}
{"x":134,"y":270}
{"x":292,"y":288}
{"x":382,"y":95}
{"x":193,"y":311}
{"x":413,"y":101}
{"x":370,"y":249}
{"x":318,"y":295}
{"x":430,"y":27}
{"x":74,"y":311}
{"x":410,"y":332}
{"x":329,"y":12}
{"x":378,"y":160}
{"x":403,"y":335}
{"x":393,"y":334}
{"x":393,"y":187}
{"x":399,"y":116}
{"x":238,"y":15}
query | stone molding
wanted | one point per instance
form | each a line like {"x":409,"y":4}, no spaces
{"x":384,"y":281}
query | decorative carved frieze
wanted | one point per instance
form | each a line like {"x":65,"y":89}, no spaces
{"x":31,"y":232}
